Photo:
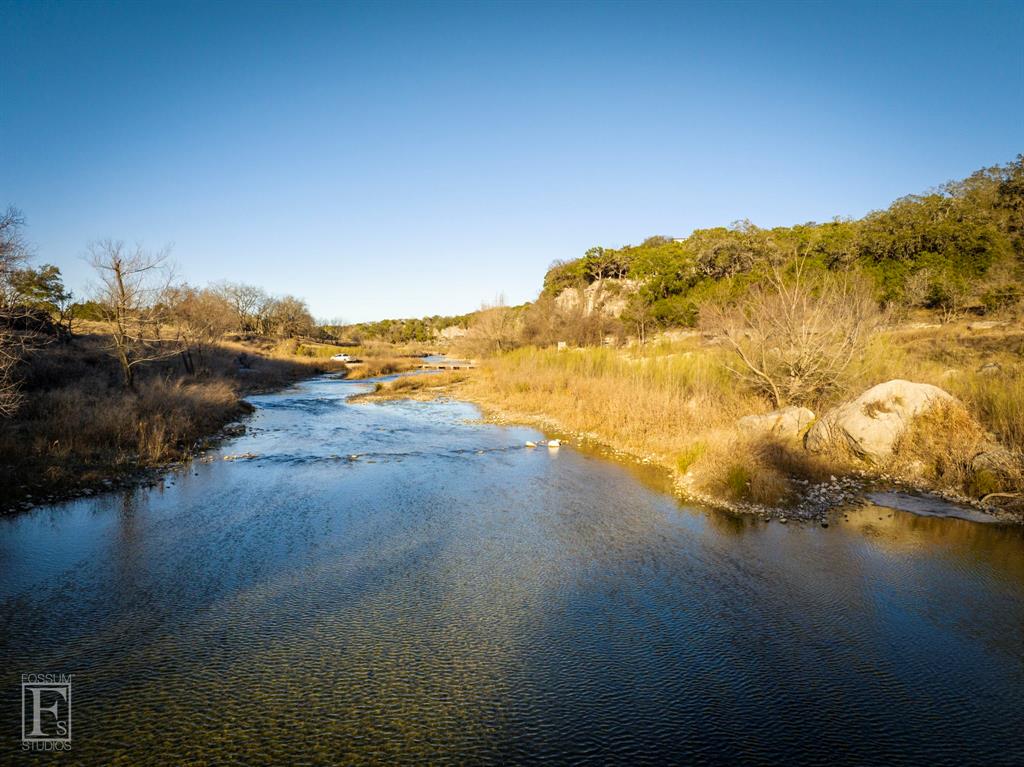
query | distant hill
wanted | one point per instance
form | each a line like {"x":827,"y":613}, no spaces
{"x":959,"y":247}
{"x":400,"y":331}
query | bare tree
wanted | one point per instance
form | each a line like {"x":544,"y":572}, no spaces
{"x":916,"y":288}
{"x":246,"y":301}
{"x":13,"y":254}
{"x":495,"y":328}
{"x":10,"y":393}
{"x":290,"y":317}
{"x":132,"y":297}
{"x":263,"y":315}
{"x":794,"y":334}
{"x":200,"y":318}
{"x":13,"y":250}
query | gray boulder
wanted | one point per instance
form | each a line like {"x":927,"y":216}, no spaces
{"x":870,"y":425}
{"x":786,"y":423}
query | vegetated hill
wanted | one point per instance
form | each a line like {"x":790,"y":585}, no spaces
{"x":400,"y":331}
{"x":955,"y":249}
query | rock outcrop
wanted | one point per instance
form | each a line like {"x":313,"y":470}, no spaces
{"x":785,"y":423}
{"x":608,"y":297}
{"x":870,"y":425}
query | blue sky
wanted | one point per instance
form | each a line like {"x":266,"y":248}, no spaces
{"x":386,"y":160}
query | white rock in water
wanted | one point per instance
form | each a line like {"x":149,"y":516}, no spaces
{"x":531,"y":443}
{"x":554,"y":443}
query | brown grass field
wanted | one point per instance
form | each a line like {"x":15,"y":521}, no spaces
{"x":675,"y":404}
{"x":78,"y":425}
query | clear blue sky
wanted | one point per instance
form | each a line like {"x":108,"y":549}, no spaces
{"x":387,"y":160}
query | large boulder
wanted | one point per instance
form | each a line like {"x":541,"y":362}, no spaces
{"x":786,"y":423}
{"x":870,"y":425}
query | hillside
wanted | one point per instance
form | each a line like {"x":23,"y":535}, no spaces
{"x":955,"y":250}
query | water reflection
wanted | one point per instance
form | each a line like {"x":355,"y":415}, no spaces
{"x":446,"y":596}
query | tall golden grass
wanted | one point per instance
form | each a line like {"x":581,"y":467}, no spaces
{"x":676,"y":404}
{"x":669,"y":404}
{"x":983,"y":370}
{"x":373,"y":367}
{"x":79,"y":424}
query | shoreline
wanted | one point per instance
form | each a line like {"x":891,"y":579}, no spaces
{"x":134,"y":471}
{"x":820,"y":501}
{"x":817,"y":501}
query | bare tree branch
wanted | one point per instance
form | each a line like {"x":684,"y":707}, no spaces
{"x":795,"y":334}
{"x":132,"y":296}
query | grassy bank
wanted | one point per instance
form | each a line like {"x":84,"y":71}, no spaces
{"x":372,"y":367}
{"x":79,"y":426}
{"x":676,"y":405}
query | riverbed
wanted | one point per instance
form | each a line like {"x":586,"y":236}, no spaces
{"x":398,"y":582}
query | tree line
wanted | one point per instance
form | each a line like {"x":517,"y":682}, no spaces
{"x":796,"y":305}
{"x":147,"y":313}
{"x":401,"y":331}
{"x":958,"y":248}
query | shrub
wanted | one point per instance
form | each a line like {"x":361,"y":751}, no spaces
{"x":795,"y":335}
{"x":943,"y":445}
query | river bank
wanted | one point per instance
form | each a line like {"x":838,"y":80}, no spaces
{"x":80,"y":431}
{"x":678,"y":409}
{"x":435,"y":592}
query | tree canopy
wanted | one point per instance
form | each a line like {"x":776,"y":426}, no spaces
{"x":957,"y":246}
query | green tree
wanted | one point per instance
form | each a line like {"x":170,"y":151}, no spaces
{"x":42,"y":289}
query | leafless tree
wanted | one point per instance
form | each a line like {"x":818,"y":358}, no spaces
{"x":290,"y":317}
{"x":263,"y":315}
{"x":246,"y":302}
{"x":132,"y":296}
{"x":13,"y":250}
{"x":916,"y":287}
{"x":13,"y":254}
{"x":200,"y":318}
{"x":795,"y":334}
{"x":10,"y":393}
{"x":495,"y":328}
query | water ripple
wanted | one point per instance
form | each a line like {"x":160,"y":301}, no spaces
{"x":394,"y":585}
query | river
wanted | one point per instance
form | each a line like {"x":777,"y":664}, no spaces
{"x":397,"y":583}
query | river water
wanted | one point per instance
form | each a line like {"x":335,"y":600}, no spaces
{"x":394,"y":583}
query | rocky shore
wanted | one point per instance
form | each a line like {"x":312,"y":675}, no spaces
{"x":867,"y":429}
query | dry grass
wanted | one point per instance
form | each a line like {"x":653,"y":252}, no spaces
{"x":953,"y":358}
{"x":426,"y":386}
{"x":943,"y":447}
{"x":672,"y":404}
{"x":651,"y":404}
{"x":676,"y":404}
{"x":998,"y":401}
{"x":374,"y":367}
{"x":78,"y":423}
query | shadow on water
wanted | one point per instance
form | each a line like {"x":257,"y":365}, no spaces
{"x":398,"y":583}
